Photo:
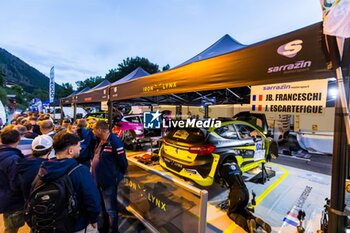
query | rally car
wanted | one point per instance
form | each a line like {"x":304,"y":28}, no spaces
{"x":198,"y":154}
{"x":127,"y":127}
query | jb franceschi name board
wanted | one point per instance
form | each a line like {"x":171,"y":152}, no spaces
{"x":306,"y":97}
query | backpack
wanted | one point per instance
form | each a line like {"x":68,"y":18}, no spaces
{"x":52,"y":207}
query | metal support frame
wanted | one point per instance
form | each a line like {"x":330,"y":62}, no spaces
{"x":229,"y":90}
{"x":74,"y":110}
{"x":340,"y":153}
{"x":202,"y":96}
{"x":110,"y":113}
{"x":178,"y":112}
{"x":61,"y":106}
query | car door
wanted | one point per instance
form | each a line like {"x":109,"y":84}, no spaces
{"x":253,"y":145}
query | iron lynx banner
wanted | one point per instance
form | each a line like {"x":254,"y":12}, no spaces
{"x":52,"y":85}
{"x":305,"y":97}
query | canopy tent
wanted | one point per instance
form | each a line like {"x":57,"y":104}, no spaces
{"x":69,"y":99}
{"x":100,"y":93}
{"x":137,"y":73}
{"x":224,"y":45}
{"x":295,"y":56}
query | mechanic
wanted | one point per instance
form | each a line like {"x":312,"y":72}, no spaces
{"x":108,"y":168}
{"x":238,"y":199}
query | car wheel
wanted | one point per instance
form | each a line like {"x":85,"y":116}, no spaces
{"x":273,"y":151}
{"x":129,"y":137}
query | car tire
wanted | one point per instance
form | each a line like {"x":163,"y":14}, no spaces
{"x":129,"y":138}
{"x":273,"y":151}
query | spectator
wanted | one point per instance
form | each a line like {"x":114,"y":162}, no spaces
{"x":13,"y":122}
{"x":72,"y":128}
{"x":11,"y":204}
{"x":47,"y":128}
{"x":27,"y":169}
{"x":91,"y":123}
{"x":36,"y":128}
{"x":87,"y":143}
{"x":25,"y":144}
{"x":108,"y":168}
{"x":66,"y":123}
{"x":67,"y":147}
{"x":30,"y":133}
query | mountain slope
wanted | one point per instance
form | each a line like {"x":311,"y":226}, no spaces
{"x":17,"y":71}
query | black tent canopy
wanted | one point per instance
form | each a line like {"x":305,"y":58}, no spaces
{"x":69,"y":99}
{"x":224,"y":45}
{"x":100,"y":92}
{"x":96,"y":94}
{"x":295,"y":56}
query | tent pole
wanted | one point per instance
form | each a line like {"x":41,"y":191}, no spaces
{"x":74,"y":111}
{"x":61,"y":106}
{"x":340,"y":152}
{"x":110,"y":112}
{"x":206,"y":111}
{"x":178,"y":112}
{"x":344,"y":105}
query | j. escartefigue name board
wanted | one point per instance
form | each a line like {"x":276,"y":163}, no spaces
{"x":306,"y":97}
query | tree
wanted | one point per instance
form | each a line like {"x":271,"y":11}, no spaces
{"x":166,"y":67}
{"x":130,"y":64}
{"x":66,"y":90}
{"x":1,"y":79}
{"x":3,"y":96}
{"x":39,"y":93}
{"x":90,"y":82}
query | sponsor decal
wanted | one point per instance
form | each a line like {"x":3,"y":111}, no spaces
{"x":290,"y":49}
{"x":289,"y":68}
{"x":152,"y":197}
{"x":160,"y":86}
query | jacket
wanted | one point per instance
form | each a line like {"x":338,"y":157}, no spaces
{"x":10,"y":195}
{"x":88,"y":196}
{"x":27,"y":169}
{"x":109,"y":167}
{"x":87,"y":145}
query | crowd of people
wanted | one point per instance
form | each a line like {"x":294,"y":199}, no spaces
{"x":60,"y":177}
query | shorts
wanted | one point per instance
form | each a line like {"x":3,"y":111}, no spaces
{"x":13,"y":219}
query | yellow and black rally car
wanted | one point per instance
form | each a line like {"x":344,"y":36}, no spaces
{"x":198,"y":154}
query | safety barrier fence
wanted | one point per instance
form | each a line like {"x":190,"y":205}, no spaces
{"x":162,"y":203}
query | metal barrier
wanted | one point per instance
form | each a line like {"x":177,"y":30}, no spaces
{"x":162,"y":203}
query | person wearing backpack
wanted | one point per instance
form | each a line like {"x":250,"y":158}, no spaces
{"x":108,"y":168}
{"x":11,"y":204}
{"x":27,"y":168}
{"x":64,"y":192}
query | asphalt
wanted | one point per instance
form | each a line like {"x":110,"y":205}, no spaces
{"x":292,"y":155}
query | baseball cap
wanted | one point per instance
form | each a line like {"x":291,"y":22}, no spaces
{"x":42,"y":142}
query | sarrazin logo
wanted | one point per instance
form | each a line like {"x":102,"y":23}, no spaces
{"x":290,"y":67}
{"x":290,"y":49}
